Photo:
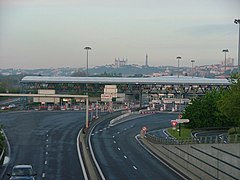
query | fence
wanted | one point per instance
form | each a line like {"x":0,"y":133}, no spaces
{"x":201,"y":140}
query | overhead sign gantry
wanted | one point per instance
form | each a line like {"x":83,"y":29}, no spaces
{"x":52,"y":96}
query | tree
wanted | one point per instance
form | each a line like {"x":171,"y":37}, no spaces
{"x":203,"y":112}
{"x":229,"y":104}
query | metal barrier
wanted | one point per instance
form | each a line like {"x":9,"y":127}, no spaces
{"x":201,"y":140}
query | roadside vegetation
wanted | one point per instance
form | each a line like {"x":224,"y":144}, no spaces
{"x":184,"y":133}
{"x":10,"y":84}
{"x":218,"y":108}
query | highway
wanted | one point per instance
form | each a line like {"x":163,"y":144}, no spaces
{"x":46,"y":140}
{"x":119,"y":154}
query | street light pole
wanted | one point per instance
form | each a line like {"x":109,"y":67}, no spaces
{"x":225,"y":62}
{"x":178,"y":58}
{"x":192,"y":61}
{"x":87,"y":49}
{"x":237,"y":21}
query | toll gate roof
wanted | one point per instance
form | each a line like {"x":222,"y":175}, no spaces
{"x":163,"y":80}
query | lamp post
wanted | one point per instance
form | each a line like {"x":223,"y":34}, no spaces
{"x":178,"y":58}
{"x":225,"y":62}
{"x":192,"y":61}
{"x":87,"y":48}
{"x":237,"y":21}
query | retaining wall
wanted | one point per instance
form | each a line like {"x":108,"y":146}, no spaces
{"x":201,"y":161}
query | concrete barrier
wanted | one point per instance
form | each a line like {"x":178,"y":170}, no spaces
{"x":201,"y":161}
{"x":90,"y":166}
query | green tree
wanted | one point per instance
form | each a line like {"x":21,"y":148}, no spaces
{"x":203,"y":112}
{"x":229,"y":104}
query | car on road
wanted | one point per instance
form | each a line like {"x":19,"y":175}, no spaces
{"x":22,"y":172}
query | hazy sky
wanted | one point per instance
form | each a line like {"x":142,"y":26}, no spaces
{"x":53,"y":33}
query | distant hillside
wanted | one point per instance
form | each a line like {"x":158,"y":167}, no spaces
{"x":126,"y":70}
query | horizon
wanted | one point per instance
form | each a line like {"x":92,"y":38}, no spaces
{"x":84,"y":68}
{"x":53,"y":34}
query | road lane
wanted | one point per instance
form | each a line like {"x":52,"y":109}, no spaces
{"x":120,"y":156}
{"x":47,"y":140}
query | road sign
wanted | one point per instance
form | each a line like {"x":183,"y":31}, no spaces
{"x":144,"y":128}
{"x":182,"y":120}
{"x":179,"y":116}
{"x":174,"y":122}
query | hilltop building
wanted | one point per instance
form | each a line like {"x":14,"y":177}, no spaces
{"x":120,"y":62}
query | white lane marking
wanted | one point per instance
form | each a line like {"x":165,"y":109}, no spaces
{"x":45,"y":162}
{"x":96,"y":132}
{"x":118,"y":132}
{"x":166,"y":134}
{"x":80,"y":157}
{"x":47,"y":145}
{"x":125,"y":129}
{"x":113,"y":136}
{"x":114,"y":142}
{"x":47,"y":135}
{"x":135,"y":167}
{"x":92,"y":134}
{"x":46,"y":153}
{"x":119,"y":149}
{"x":125,"y":157}
{"x":43,"y":175}
{"x":47,"y":140}
{"x":100,"y":130}
{"x":104,"y":128}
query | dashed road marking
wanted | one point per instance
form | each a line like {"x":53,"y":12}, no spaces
{"x":119,"y":149}
{"x":113,"y":136}
{"x":47,"y":145}
{"x":100,"y":130}
{"x":45,"y":162}
{"x":114,"y":142}
{"x":125,"y":157}
{"x":135,"y":167}
{"x":46,"y":153}
{"x":92,"y":134}
{"x":43,"y":175}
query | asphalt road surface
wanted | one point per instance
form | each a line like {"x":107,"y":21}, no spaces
{"x":46,"y":140}
{"x":120,"y":156}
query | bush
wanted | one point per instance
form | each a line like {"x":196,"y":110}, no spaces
{"x":234,"y":130}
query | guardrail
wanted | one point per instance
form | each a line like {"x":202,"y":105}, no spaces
{"x":201,"y":140}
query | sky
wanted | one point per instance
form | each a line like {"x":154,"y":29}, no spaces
{"x":53,"y":33}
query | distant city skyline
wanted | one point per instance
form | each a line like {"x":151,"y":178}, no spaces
{"x":53,"y":33}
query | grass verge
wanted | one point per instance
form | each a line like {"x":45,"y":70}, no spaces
{"x":184,"y":133}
